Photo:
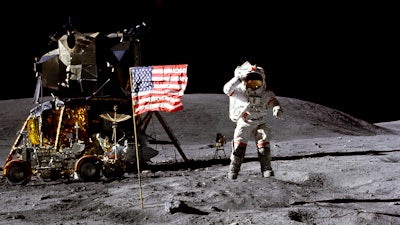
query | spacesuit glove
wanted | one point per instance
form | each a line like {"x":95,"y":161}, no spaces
{"x":242,"y":71}
{"x":277,"y":112}
{"x":240,"y":74}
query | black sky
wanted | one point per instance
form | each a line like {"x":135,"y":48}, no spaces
{"x":344,"y":56}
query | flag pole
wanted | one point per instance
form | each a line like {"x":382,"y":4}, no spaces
{"x":136,"y":144}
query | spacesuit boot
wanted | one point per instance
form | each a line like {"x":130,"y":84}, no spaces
{"x":264,"y":156}
{"x":234,"y":167}
{"x":237,"y":157}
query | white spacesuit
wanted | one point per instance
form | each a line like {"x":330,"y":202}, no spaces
{"x":250,"y":100}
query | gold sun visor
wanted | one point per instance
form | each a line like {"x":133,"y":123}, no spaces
{"x":253,"y":84}
{"x":253,"y":81}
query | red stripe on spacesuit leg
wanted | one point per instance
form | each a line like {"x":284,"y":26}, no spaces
{"x":240,"y":144}
{"x":262,"y":144}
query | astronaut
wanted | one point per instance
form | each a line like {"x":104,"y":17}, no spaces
{"x":249,"y":102}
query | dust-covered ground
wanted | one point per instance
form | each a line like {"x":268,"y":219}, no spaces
{"x":330,"y":168}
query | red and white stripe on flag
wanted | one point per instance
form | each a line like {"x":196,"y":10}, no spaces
{"x":158,"y":88}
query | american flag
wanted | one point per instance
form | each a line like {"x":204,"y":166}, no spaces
{"x":158,"y":88}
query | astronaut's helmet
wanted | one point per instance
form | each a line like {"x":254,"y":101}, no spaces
{"x":253,"y":81}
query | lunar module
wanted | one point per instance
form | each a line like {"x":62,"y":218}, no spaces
{"x":85,"y":129}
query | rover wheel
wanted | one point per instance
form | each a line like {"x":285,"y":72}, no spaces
{"x":90,"y":170}
{"x":17,"y":173}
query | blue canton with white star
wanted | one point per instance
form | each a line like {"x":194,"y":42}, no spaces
{"x":142,"y":79}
